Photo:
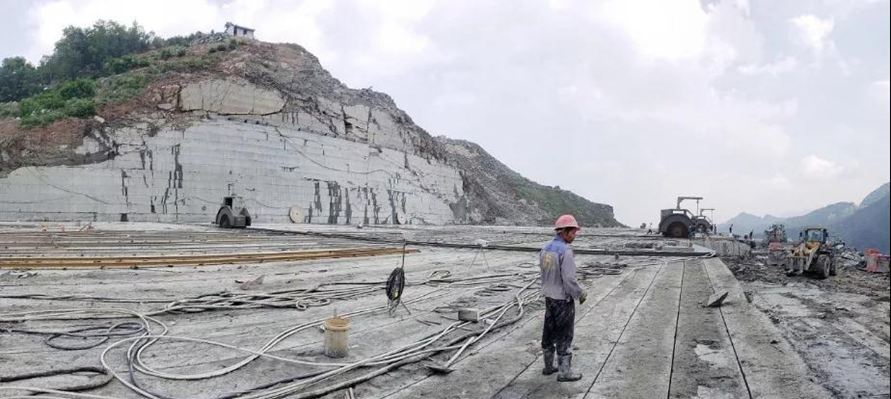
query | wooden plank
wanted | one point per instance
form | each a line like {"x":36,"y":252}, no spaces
{"x":704,"y":362}
{"x":200,"y":260}
{"x":597,"y":329}
{"x":640,"y":364}
{"x":770,"y":365}
{"x":507,"y":356}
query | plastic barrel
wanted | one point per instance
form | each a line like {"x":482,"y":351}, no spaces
{"x":337,"y":334}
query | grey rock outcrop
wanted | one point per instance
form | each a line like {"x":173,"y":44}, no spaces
{"x":267,"y":122}
{"x":230,"y":97}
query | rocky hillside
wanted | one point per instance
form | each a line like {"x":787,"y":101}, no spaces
{"x":267,"y":122}
{"x":503,"y":195}
{"x":870,"y":225}
{"x":876,"y":195}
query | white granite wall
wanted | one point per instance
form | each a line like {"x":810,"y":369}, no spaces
{"x":183,"y":175}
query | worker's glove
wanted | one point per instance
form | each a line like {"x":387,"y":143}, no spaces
{"x":583,"y":297}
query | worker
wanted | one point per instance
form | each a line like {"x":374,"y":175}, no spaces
{"x":560,"y":288}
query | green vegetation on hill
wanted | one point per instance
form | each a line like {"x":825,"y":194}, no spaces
{"x":72,"y":98}
{"x":89,"y":67}
{"x":556,"y":201}
{"x":87,"y":52}
{"x":18,"y":79}
{"x":91,"y":52}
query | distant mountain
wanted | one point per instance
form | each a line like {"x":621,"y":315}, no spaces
{"x":863,"y":226}
{"x":746,"y":222}
{"x":868,"y":227}
{"x":876,"y":195}
{"x":824,"y":216}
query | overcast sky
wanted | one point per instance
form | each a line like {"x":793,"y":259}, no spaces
{"x":764,"y":106}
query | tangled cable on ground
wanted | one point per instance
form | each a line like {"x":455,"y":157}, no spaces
{"x":92,"y":384}
{"x":306,"y":384}
{"x":94,"y":339}
{"x":153,"y":331}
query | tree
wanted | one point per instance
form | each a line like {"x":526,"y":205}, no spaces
{"x":18,"y":79}
{"x":85,"y":52}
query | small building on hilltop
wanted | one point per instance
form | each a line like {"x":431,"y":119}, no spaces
{"x":239,"y":31}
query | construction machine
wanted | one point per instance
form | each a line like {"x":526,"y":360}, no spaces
{"x":678,"y":222}
{"x":776,"y":233}
{"x":702,"y":223}
{"x":232,"y":213}
{"x":775,"y":241}
{"x":814,"y":253}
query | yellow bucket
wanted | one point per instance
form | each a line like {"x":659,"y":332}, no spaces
{"x":337,"y":334}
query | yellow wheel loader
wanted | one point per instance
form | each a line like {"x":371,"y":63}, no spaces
{"x":813,"y":254}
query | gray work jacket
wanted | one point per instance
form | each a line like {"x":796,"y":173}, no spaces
{"x":557,"y":265}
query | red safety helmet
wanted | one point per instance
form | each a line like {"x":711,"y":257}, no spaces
{"x":565,"y":221}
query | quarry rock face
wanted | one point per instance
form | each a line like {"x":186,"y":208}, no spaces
{"x":182,"y":176}
{"x":269,"y":124}
{"x":230,"y":98}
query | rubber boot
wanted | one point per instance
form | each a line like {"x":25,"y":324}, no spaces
{"x":549,"y":368}
{"x":566,"y":373}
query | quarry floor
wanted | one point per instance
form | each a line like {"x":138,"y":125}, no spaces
{"x":642,"y":333}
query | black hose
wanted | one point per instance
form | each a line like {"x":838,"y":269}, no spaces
{"x":74,"y":370}
{"x":122,"y":329}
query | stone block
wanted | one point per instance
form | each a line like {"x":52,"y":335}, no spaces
{"x":231,"y":97}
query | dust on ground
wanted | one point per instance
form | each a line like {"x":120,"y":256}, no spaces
{"x":839,"y":325}
{"x":852,"y":276}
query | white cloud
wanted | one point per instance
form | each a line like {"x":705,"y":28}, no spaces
{"x":881,"y":91}
{"x":559,"y":4}
{"x":744,"y":6}
{"x":660,"y":29}
{"x":814,"y":167}
{"x":779,"y":67}
{"x":625,"y":84}
{"x":400,"y":10}
{"x":813,"y":32}
{"x":779,"y":181}
{"x":399,"y":39}
{"x":296,"y":23}
{"x":397,"y":33}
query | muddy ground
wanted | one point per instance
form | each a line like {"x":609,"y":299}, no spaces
{"x":840,"y":325}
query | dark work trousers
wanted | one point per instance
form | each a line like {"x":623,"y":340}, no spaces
{"x":559,"y":324}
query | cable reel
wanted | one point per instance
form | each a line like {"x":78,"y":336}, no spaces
{"x":396,"y":285}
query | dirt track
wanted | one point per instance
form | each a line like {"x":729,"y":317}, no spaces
{"x":839,"y":326}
